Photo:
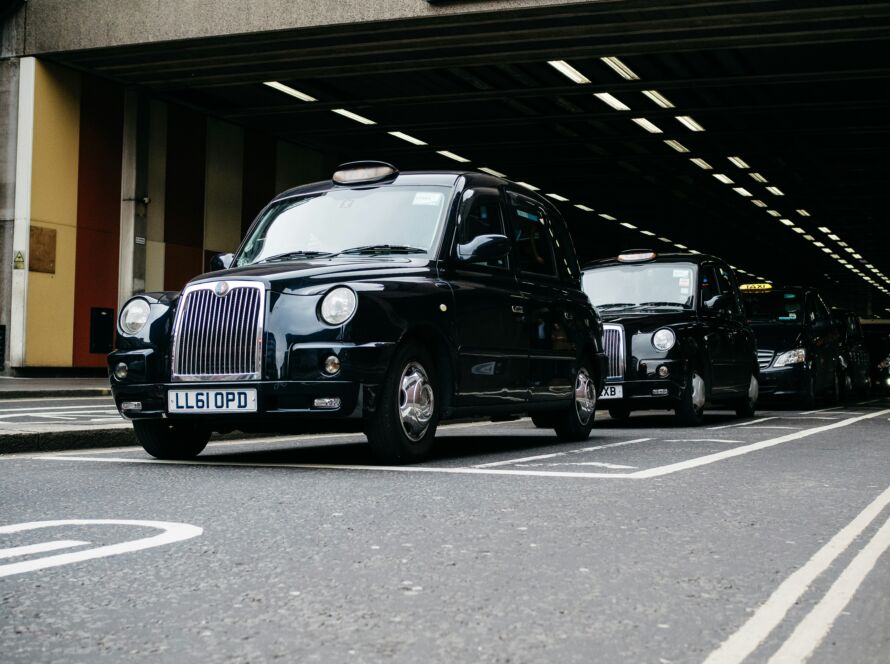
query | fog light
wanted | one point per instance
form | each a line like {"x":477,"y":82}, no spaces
{"x":663,"y":371}
{"x":128,"y":406}
{"x":121,"y":370}
{"x":327,"y":402}
{"x":331,"y":365}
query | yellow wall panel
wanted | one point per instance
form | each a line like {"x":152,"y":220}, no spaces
{"x":154,"y":266}
{"x":50,"y":318}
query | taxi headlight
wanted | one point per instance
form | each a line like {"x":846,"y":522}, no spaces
{"x":134,"y":316}
{"x":796,"y":356}
{"x":664,"y":339}
{"x":338,"y":306}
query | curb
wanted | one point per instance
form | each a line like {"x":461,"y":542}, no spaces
{"x":56,"y":441}
{"x":48,"y":394}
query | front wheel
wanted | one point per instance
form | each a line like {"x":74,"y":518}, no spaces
{"x":691,"y":410}
{"x":164,"y":440}
{"x":574,"y":424}
{"x":403,"y":427}
{"x":748,"y":404}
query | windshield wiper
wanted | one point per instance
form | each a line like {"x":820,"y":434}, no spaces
{"x":294,"y":254}
{"x":383,"y":249}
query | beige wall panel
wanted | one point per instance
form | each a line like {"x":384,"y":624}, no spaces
{"x":50,"y":317}
{"x":296,"y":165}
{"x":154,"y":266}
{"x":222,"y":186}
{"x":157,"y":171}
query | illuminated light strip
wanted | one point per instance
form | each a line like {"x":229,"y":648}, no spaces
{"x":723,"y":178}
{"x":528,"y":186}
{"x":648,"y":125}
{"x":759,"y":203}
{"x":607,"y":216}
{"x":658,"y":98}
{"x":286,"y":89}
{"x":689,"y":123}
{"x":627,"y":225}
{"x":353,"y":116}
{"x":774,"y":213}
{"x":620,"y":68}
{"x":406,"y":137}
{"x":677,"y":145}
{"x":741,"y":191}
{"x":451,"y":155}
{"x":611,"y":101}
{"x":557,"y":197}
{"x":757,"y":177}
{"x":568,"y":71}
{"x":803,"y":213}
{"x":701,"y":163}
{"x":775,"y":191}
{"x":491,"y":171}
{"x":738,"y":161}
{"x":583,"y":207}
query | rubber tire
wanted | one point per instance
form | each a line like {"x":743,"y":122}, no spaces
{"x":567,"y":426}
{"x":619,"y":414}
{"x":685,"y":413}
{"x":745,"y":407}
{"x":164,"y":440}
{"x":383,"y":428}
{"x":544,"y":420}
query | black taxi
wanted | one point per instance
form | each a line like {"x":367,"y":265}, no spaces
{"x":394,"y":299}
{"x":798,"y":342}
{"x":675,"y":334}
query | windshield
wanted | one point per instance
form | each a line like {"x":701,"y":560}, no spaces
{"x":641,"y":286}
{"x":775,"y":307}
{"x":380,"y":220}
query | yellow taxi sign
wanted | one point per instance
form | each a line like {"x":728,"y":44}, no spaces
{"x":756,"y":287}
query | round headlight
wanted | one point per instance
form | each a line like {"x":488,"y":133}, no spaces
{"x":338,"y":306}
{"x":664,"y":339}
{"x":134,"y":316}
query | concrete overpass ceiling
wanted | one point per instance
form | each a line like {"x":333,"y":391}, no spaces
{"x":796,"y":91}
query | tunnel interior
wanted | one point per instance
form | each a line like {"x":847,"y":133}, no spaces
{"x":755,"y":131}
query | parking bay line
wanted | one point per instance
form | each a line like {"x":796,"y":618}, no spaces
{"x":767,"y":617}
{"x":743,"y":424}
{"x":510,"y":462}
{"x":43,"y":547}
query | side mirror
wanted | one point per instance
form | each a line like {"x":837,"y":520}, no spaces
{"x":221,"y":261}
{"x":484,"y":248}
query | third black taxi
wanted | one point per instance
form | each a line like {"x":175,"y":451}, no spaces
{"x":675,"y":334}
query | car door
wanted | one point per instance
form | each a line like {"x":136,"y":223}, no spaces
{"x":741,"y":339}
{"x":718,"y":333}
{"x":491,"y":336}
{"x":822,"y":342}
{"x":546,"y":314}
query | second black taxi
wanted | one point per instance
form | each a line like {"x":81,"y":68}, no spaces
{"x":675,"y":335}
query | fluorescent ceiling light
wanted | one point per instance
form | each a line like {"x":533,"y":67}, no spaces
{"x":834,"y":255}
{"x":824,"y":229}
{"x":568,"y":71}
{"x":677,"y":145}
{"x":741,"y":191}
{"x":834,"y":237}
{"x":798,"y":229}
{"x":689,"y":123}
{"x":451,"y":155}
{"x":608,"y":216}
{"x":612,"y":101}
{"x":491,"y":171}
{"x":583,"y":207}
{"x":827,"y":250}
{"x":809,"y":237}
{"x":622,"y":69}
{"x":528,"y":186}
{"x":723,"y":178}
{"x":649,"y":233}
{"x":701,"y":163}
{"x":803,"y":213}
{"x":858,"y":257}
{"x":758,"y":202}
{"x":648,"y":126}
{"x":286,"y":89}
{"x":774,"y":213}
{"x":406,"y":137}
{"x":738,"y":161}
{"x":353,"y":116}
{"x":681,"y":246}
{"x":693,"y":251}
{"x":757,"y":177}
{"x":843,"y":244}
{"x":850,"y":250}
{"x":665,"y":239}
{"x":627,"y":225}
{"x":842,"y":261}
{"x":658,"y":98}
{"x":819,"y":244}
{"x":775,"y":190}
{"x":557,"y":197}
{"x":787,"y":222}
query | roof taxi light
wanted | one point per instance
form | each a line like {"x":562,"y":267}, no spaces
{"x":755,"y":287}
{"x":636,"y":256}
{"x":363,"y":171}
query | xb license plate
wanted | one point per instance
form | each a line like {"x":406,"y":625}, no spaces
{"x":612,"y":392}
{"x":211,"y":401}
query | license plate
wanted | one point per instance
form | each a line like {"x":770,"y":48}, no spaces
{"x":612,"y":392}
{"x":211,"y":401}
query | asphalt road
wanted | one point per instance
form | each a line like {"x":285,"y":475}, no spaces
{"x":62,"y":411}
{"x":757,"y":540}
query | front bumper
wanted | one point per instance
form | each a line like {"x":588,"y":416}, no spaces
{"x":648,"y":391}
{"x":785,"y":382}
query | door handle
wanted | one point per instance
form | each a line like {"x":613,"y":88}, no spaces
{"x":518,"y":309}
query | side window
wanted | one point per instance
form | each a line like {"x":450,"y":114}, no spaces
{"x":566,"y":258}
{"x":816,"y":310}
{"x":481,"y":215}
{"x":531,"y":237}
{"x":728,"y":287}
{"x":708,"y":288}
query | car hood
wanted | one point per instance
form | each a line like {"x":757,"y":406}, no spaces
{"x":308,"y":275}
{"x":778,"y":337}
{"x":635,"y":323}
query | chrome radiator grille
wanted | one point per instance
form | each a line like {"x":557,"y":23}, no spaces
{"x":218,"y":334}
{"x":613,"y":342}
{"x":765,"y":358}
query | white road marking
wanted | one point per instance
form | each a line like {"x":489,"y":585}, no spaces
{"x":510,"y":462}
{"x":702,"y":440}
{"x":815,"y":627}
{"x":45,"y":408}
{"x":600,"y":464}
{"x":767,"y":617}
{"x":754,"y":447}
{"x":773,"y":426}
{"x":39,"y":548}
{"x":104,"y":398}
{"x":743,"y":424}
{"x":820,"y":410}
{"x":171,"y":532}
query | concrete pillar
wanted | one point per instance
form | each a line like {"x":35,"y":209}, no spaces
{"x":9,"y":89}
{"x":134,"y":197}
